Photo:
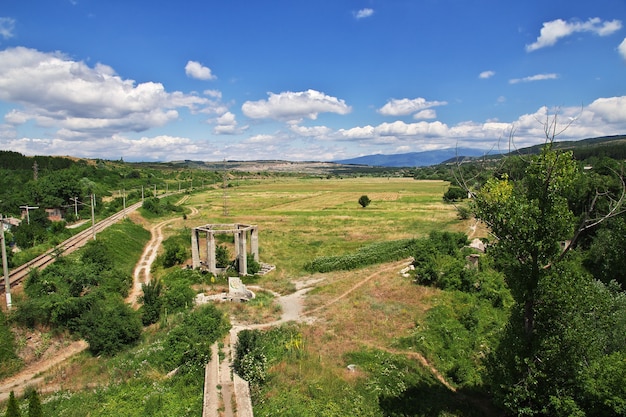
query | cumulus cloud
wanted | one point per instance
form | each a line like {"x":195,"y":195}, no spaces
{"x":7,"y":26}
{"x":537,"y":77}
{"x":486,"y":74}
{"x":55,"y":91}
{"x":553,"y":31}
{"x":226,"y":124}
{"x":196,"y":70}
{"x":622,"y":49}
{"x":425,"y":114}
{"x":405,"y":106}
{"x":294,"y":106}
{"x":363,"y":13}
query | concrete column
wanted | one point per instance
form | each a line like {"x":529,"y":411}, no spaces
{"x":254,"y":243}
{"x":210,"y":253}
{"x":195,"y":250}
{"x":243,"y":261}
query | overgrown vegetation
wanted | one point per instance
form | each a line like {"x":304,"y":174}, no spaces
{"x":369,"y":255}
{"x":85,"y":294}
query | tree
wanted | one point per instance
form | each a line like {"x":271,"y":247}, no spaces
{"x":13,"y":410}
{"x":151,"y":299}
{"x":110,"y":325}
{"x":560,"y":320}
{"x":34,"y":405}
{"x":364,"y":201}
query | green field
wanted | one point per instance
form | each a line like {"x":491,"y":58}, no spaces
{"x":301,"y":219}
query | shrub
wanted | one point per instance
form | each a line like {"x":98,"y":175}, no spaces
{"x":454,"y":194}
{"x":110,"y":325}
{"x":364,"y":201}
{"x":369,"y":255}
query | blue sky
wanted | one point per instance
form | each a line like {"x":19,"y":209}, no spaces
{"x":296,"y":80}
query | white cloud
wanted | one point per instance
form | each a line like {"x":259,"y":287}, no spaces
{"x":57,"y":92}
{"x":425,"y":114}
{"x":622,"y":49}
{"x":7,"y":26}
{"x":537,"y":77}
{"x":196,"y":70}
{"x":402,"y":107}
{"x":294,"y":106}
{"x":554,"y":30}
{"x":226,"y":124}
{"x":363,"y":13}
{"x":486,"y":74}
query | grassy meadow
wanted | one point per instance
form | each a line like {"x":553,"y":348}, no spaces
{"x":301,"y":219}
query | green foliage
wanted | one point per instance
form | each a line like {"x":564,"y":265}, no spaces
{"x":369,"y":255}
{"x":109,"y":326}
{"x":456,"y":335}
{"x":253,"y":266}
{"x":605,"y":258}
{"x":174,"y":253}
{"x":178,"y":294}
{"x":8,"y":358}
{"x":13,"y":409}
{"x":160,"y":206}
{"x":454,"y":193}
{"x":34,"y":405}
{"x":562,"y":320}
{"x":255,"y":351}
{"x":97,"y":254}
{"x":152,"y":303}
{"x":364,"y":201}
{"x":188,"y":345}
{"x":222,"y":256}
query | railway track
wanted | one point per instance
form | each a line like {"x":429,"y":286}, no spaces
{"x":18,"y":274}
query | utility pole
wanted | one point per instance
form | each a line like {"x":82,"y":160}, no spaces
{"x":155,"y":190}
{"x":124,"y":202}
{"x":28,"y":208}
{"x":142,"y":193}
{"x":93,"y":217}
{"x":5,"y":265}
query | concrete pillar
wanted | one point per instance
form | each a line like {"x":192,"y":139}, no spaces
{"x":254,"y":242}
{"x":210,"y":253}
{"x":195,"y":250}
{"x":243,"y":261}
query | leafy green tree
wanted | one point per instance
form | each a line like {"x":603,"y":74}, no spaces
{"x":13,"y":409}
{"x":364,"y":201}
{"x":222,"y":257}
{"x":175,"y":253}
{"x":562,"y":319}
{"x":454,"y":194}
{"x":34,"y":405}
{"x":97,"y":254}
{"x":110,"y":325}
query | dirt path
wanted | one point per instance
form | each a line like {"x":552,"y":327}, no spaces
{"x":31,"y":375}
{"x":141,"y":274}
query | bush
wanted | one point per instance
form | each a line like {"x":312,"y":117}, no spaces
{"x":188,"y":345}
{"x":375,"y":253}
{"x":454,"y":194}
{"x":364,"y":201}
{"x":109,"y":326}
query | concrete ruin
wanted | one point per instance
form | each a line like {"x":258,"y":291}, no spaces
{"x":240,"y":232}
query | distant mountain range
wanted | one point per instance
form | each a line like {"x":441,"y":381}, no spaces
{"x":413,"y":159}
{"x":612,"y":146}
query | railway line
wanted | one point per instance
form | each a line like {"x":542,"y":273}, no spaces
{"x":18,"y":274}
